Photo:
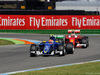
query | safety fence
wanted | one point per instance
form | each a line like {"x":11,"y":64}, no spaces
{"x":49,"y":31}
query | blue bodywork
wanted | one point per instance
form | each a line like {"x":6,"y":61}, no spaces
{"x":48,"y":47}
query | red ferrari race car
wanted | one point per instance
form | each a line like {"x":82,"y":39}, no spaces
{"x":76,"y":40}
{"x":73,"y":41}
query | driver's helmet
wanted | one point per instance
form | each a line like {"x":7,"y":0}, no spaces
{"x":73,"y":32}
{"x":51,"y":41}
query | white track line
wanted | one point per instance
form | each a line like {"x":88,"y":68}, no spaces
{"x":49,"y":67}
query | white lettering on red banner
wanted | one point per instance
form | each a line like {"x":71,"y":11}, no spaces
{"x":49,"y":22}
{"x":12,"y":21}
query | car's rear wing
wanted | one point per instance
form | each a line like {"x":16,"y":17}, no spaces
{"x":75,"y":31}
{"x":57,"y":36}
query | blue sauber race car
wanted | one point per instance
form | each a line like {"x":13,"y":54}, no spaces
{"x":51,"y":47}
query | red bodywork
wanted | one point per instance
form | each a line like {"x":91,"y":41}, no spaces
{"x":75,"y":39}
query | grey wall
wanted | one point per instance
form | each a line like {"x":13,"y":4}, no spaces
{"x":79,"y":5}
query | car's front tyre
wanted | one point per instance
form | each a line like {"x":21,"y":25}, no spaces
{"x":33,"y":49}
{"x":61,"y":50}
{"x":69,"y":48}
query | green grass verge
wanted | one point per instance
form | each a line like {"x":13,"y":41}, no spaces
{"x":81,"y":69}
{"x":49,"y":31}
{"x":6,"y":42}
{"x":14,"y":41}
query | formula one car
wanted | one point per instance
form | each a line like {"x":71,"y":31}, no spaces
{"x":51,"y":47}
{"x":73,"y":41}
{"x":76,"y":40}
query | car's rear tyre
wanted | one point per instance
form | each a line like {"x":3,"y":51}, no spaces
{"x":33,"y":48}
{"x":61,"y":50}
{"x":69,"y":48}
{"x":85,"y":41}
{"x":86,"y":37}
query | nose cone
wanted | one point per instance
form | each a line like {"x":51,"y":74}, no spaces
{"x":46,"y":48}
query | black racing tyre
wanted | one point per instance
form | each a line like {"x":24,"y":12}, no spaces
{"x":61,"y":48}
{"x":33,"y":47}
{"x":85,"y":41}
{"x":69,"y":48}
{"x":86,"y":37}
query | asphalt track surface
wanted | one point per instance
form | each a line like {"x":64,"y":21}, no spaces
{"x":16,"y":57}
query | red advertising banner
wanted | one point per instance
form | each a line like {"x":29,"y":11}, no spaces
{"x":49,"y":22}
